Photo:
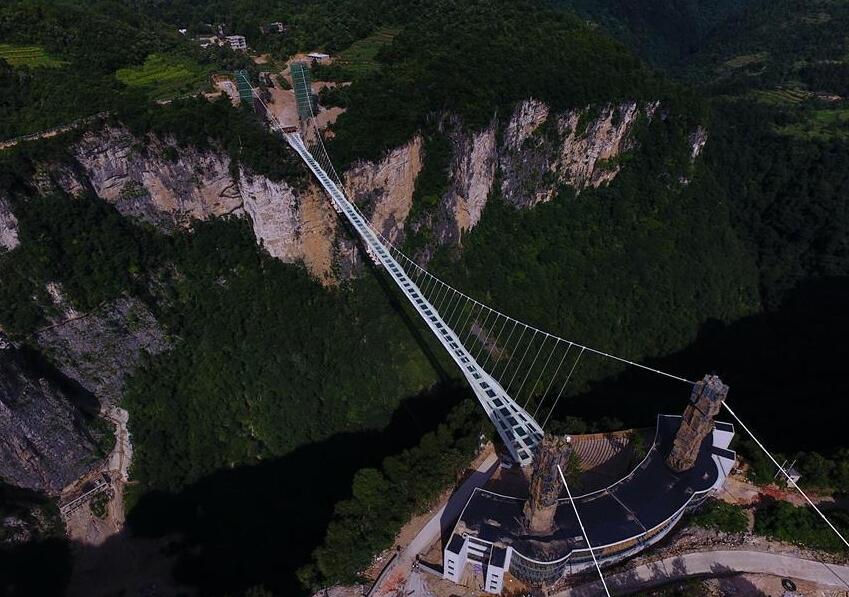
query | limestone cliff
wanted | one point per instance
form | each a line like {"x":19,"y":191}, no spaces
{"x":578,"y":148}
{"x":536,"y":154}
{"x":44,"y":444}
{"x":141,"y":180}
{"x":99,"y":349}
{"x":384,"y":190}
{"x":470,"y":181}
{"x":8,"y":226}
{"x":168,"y":186}
{"x":528,"y":159}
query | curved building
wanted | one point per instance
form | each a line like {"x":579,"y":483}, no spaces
{"x":620,"y":520}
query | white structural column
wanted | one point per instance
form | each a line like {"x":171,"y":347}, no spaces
{"x":518,"y":429}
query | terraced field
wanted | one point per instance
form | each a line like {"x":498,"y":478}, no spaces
{"x":163,"y":76}
{"x":783,"y":96}
{"x":31,"y":56}
{"x":359,"y":58}
{"x":746,"y":60}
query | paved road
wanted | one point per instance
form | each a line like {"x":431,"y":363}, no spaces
{"x":716,"y":563}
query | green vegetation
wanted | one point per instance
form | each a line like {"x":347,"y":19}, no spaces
{"x":830,"y":474}
{"x":271,"y":373}
{"x":661,"y":32}
{"x":630,"y":267}
{"x":93,"y":41}
{"x":789,"y":206}
{"x":819,"y":125}
{"x":785,"y":522}
{"x":199,"y":123}
{"x":761,"y":469}
{"x":31,"y":56}
{"x":462,"y":59}
{"x":383,"y":500}
{"x":432,"y":181}
{"x":255,"y":381}
{"x":163,"y":76}
{"x":721,"y":516}
{"x":359,"y":59}
{"x":782,"y":96}
{"x":746,"y":60}
{"x":85,"y":245}
{"x":99,"y":504}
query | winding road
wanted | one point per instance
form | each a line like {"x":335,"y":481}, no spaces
{"x":715,"y":563}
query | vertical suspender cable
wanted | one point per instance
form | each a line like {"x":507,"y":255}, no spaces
{"x":583,"y":531}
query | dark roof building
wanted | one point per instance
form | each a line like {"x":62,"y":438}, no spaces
{"x":620,"y":520}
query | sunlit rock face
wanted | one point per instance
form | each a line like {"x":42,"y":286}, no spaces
{"x":528,"y":159}
{"x":8,"y":226}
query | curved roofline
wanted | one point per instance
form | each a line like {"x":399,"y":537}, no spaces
{"x":646,"y":531}
{"x":633,"y":470}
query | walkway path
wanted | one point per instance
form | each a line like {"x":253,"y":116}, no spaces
{"x":716,"y":563}
{"x":52,"y":132}
{"x":444,"y":519}
{"x":441,"y":522}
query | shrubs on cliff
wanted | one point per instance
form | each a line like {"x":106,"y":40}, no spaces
{"x":721,"y":516}
{"x":384,"y":499}
{"x":84,"y":244}
{"x":801,"y":525}
{"x":268,"y":360}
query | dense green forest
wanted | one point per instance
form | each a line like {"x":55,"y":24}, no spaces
{"x":264,"y":363}
{"x":476,"y":59}
{"x":631,"y":267}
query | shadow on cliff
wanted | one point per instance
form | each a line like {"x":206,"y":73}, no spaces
{"x":86,"y":403}
{"x":786,"y":370}
{"x":252,"y":525}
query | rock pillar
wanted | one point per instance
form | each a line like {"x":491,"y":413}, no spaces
{"x":705,"y":402}
{"x":546,"y":484}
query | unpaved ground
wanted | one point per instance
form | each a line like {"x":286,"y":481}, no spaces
{"x":227,"y":86}
{"x":81,"y":525}
{"x":742,"y":492}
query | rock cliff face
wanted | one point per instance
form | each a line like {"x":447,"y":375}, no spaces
{"x":98,"y":350}
{"x":578,"y":148}
{"x":530,"y":158}
{"x":539,"y":154}
{"x":169,"y":186}
{"x":43,"y":444}
{"x":470,"y":181}
{"x":8,"y":226}
{"x":142,"y":182}
{"x":384,"y":190}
